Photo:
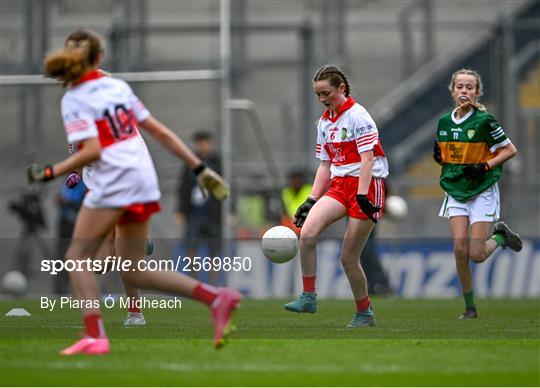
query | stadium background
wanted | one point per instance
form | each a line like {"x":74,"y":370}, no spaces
{"x":399,"y":56}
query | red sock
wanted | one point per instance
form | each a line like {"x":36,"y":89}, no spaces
{"x":94,"y":326}
{"x":204,"y":293}
{"x":309,"y":283}
{"x":133,"y":303}
{"x":362,"y":304}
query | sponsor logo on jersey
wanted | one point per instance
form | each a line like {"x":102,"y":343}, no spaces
{"x":458,"y":129}
{"x":343,"y":133}
{"x":336,"y":151}
{"x":363,"y":130}
{"x":470,"y":133}
{"x":456,"y":152}
{"x":494,"y":124}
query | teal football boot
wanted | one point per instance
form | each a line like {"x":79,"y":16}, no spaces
{"x":305,"y":303}
{"x":363,"y":319}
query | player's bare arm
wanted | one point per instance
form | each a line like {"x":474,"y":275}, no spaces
{"x":322,"y":177}
{"x":168,"y":139}
{"x":366,"y":170}
{"x":503,"y":154}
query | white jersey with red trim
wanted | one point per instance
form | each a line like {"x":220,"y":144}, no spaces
{"x":107,"y":108}
{"x":87,"y":170}
{"x":341,"y":139}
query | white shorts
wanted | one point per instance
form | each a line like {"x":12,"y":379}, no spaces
{"x":485,"y":207}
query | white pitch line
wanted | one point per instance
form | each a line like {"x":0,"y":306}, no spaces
{"x":250,"y":367}
{"x":242,"y":367}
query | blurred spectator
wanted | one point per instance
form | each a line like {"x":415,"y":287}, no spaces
{"x":69,"y":202}
{"x":377,"y":279}
{"x":294,"y":195}
{"x":200,"y":217}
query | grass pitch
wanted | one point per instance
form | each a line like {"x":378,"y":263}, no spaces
{"x":416,"y":342}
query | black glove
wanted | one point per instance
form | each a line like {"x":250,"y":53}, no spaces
{"x":437,"y":156}
{"x":302,"y":212}
{"x":367,"y":207}
{"x":39,"y":173}
{"x":473,"y":171}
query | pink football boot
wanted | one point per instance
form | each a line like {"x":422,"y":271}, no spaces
{"x":223,"y":307}
{"x":88,"y":345}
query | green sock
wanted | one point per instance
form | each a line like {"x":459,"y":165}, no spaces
{"x":469,"y":300}
{"x":499,"y":239}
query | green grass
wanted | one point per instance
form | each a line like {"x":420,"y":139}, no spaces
{"x":417,"y":342}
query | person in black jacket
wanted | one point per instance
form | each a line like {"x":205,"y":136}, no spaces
{"x":199,"y":214}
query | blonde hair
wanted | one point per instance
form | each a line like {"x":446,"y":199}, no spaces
{"x":80,"y":53}
{"x":479,"y":86}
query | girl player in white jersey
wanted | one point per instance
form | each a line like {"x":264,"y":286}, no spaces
{"x":353,"y":162}
{"x":135,"y":316}
{"x":101,"y":116}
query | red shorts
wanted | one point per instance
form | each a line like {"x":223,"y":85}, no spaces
{"x":138,"y":212}
{"x":344,"y":190}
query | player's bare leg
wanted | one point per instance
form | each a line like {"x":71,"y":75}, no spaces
{"x":325,"y":211}
{"x":130,"y":244}
{"x":460,"y":235}
{"x":480,"y":247}
{"x":135,"y":316}
{"x":91,"y":228}
{"x":355,"y":239}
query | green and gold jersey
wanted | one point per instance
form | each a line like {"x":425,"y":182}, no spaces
{"x":474,"y":138}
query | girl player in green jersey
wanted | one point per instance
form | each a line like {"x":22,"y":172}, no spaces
{"x":472,"y":146}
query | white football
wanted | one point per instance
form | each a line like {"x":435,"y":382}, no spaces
{"x":14,"y":283}
{"x":279,"y":244}
{"x":396,"y":207}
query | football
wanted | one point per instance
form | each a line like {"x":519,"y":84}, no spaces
{"x":14,"y":283}
{"x":279,"y":244}
{"x":396,"y":207}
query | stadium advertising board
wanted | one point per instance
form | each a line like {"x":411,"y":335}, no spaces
{"x":416,"y":269}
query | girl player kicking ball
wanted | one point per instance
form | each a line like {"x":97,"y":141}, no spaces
{"x":101,"y":116}
{"x":354,"y":165}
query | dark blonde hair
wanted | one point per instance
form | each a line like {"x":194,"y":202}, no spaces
{"x":479,"y":85}
{"x":80,"y":53}
{"x":335,"y":76}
